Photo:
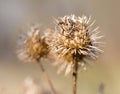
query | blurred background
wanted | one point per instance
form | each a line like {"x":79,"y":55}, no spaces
{"x":15,"y":75}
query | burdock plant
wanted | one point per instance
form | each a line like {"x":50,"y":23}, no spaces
{"x":32,"y":48}
{"x":74,"y":40}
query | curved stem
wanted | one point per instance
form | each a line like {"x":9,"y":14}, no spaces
{"x":47,"y":78}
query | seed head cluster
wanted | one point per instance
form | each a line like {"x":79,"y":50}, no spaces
{"x":32,"y":46}
{"x":74,"y":36}
{"x":74,"y":39}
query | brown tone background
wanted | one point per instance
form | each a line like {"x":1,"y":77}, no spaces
{"x":15,"y":14}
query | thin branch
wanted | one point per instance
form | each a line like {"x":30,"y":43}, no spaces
{"x":47,"y":78}
{"x":74,"y":76}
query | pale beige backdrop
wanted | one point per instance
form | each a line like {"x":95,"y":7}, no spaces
{"x":16,"y":14}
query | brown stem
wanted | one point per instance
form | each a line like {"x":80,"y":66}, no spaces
{"x":47,"y":78}
{"x":74,"y":76}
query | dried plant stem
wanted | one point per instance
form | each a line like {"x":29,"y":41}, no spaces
{"x":47,"y":78}
{"x":74,"y":75}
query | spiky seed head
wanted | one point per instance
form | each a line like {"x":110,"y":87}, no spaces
{"x":32,"y":46}
{"x":74,"y":36}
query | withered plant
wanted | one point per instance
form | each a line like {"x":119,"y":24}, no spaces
{"x":74,"y":40}
{"x":32,"y":48}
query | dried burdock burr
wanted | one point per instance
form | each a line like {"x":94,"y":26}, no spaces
{"x":74,"y":40}
{"x":32,"y":48}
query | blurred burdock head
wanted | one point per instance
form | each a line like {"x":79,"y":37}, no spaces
{"x":32,"y":46}
{"x":74,"y":38}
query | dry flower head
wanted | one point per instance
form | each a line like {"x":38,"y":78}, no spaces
{"x":32,"y":46}
{"x":74,"y":36}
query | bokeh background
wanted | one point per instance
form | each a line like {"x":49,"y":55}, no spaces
{"x":16,"y":14}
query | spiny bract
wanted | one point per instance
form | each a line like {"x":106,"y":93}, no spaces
{"x":32,"y":46}
{"x":74,"y":36}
